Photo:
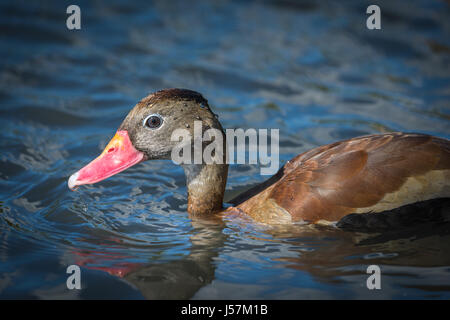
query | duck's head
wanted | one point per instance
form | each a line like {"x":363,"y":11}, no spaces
{"x":146,"y":132}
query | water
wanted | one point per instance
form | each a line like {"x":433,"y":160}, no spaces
{"x":311,"y":69}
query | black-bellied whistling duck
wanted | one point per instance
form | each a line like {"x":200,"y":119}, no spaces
{"x":374,"y":173}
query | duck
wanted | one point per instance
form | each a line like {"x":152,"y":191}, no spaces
{"x":377,"y":173}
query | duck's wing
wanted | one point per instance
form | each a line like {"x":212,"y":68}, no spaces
{"x":367,"y":174}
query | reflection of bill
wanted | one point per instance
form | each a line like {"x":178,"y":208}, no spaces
{"x":177,"y":279}
{"x":105,"y":261}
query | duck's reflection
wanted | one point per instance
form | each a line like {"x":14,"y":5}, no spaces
{"x":177,"y":279}
{"x":324,"y":252}
{"x":328,"y":253}
{"x":181,"y":279}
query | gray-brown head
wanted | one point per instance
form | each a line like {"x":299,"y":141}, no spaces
{"x":152,"y":121}
{"x":145,"y":134}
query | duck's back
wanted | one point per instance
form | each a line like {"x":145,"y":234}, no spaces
{"x":373,"y":173}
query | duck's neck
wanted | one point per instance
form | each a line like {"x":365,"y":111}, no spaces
{"x":206,"y":186}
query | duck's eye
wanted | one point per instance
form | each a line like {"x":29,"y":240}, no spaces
{"x":153,"y":121}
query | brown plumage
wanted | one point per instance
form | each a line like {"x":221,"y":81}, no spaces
{"x":354,"y":176}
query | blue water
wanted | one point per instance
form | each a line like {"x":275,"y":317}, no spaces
{"x":310,"y":68}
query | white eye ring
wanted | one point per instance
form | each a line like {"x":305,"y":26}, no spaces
{"x":144,"y":122}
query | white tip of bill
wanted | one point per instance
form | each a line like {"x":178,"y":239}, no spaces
{"x":72,"y":183}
